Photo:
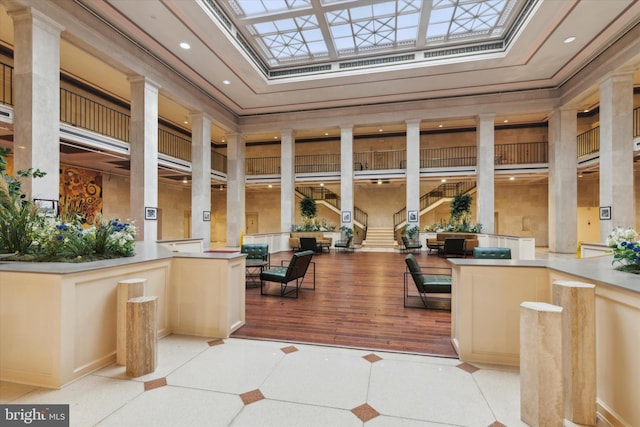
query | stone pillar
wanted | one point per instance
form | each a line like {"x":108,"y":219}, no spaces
{"x":541,"y":394}
{"x":142,"y":336}
{"x":563,"y":181}
{"x":36,"y":82}
{"x":127,"y":289}
{"x":616,"y":151}
{"x":485,"y":196}
{"x":346,"y":175}
{"x":287,"y":180}
{"x":144,"y":156}
{"x":201,"y":177}
{"x":236,"y":148}
{"x":413,"y":171}
{"x":578,"y":302}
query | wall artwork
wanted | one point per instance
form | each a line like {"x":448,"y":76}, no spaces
{"x":413,"y":216}
{"x":206,"y":215}
{"x":151,"y":214}
{"x":81,"y":192}
{"x":346,"y":216}
{"x":605,"y":212}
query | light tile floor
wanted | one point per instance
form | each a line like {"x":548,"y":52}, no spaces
{"x":236,"y":382}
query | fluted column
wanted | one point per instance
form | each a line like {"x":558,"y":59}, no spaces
{"x":201,"y":177}
{"x":616,"y":151}
{"x":485,"y":169}
{"x":563,"y":181}
{"x":144,"y":155}
{"x":236,"y":147}
{"x":36,"y":78}
{"x":287,"y":180}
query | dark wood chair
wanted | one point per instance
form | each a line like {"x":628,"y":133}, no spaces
{"x":453,"y":247}
{"x":409,"y":246}
{"x":433,"y":285}
{"x":310,"y":244}
{"x":293,"y":271}
{"x":344,"y":244}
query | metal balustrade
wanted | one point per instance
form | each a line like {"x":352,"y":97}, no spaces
{"x":6,"y":86}
{"x":174,"y":145}
{"x":314,"y":163}
{"x":589,"y":141}
{"x":521,"y":153}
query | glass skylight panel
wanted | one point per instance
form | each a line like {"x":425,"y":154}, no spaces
{"x":262,"y":7}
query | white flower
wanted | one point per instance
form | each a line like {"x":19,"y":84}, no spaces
{"x":619,"y":235}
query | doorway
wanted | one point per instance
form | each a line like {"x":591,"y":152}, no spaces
{"x":251,"y":223}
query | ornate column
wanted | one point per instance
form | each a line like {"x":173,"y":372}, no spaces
{"x":236,"y":148}
{"x":36,"y":78}
{"x":287,"y":180}
{"x":144,"y":156}
{"x":563,"y":181}
{"x":485,"y":196}
{"x":201,"y":177}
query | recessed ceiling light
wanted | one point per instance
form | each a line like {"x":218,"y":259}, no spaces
{"x":586,"y":110}
{"x":569,"y":40}
{"x":443,"y":180}
{"x":186,"y":120}
{"x":379,"y":181}
{"x":184,"y":180}
{"x":511,"y":178}
{"x":270,"y":186}
{"x":439,"y":126}
{"x":380,"y":130}
{"x":275,"y":137}
{"x":226,"y":82}
{"x":505,"y":121}
{"x":185,"y":45}
{"x":326,"y":134}
{"x":322,"y":184}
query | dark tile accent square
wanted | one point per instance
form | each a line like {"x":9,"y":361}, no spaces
{"x":251,"y":396}
{"x":215,"y":342}
{"x":373,"y":358}
{"x":468,"y":367}
{"x":365,"y":412}
{"x":157,"y":383}
{"x":290,"y":349}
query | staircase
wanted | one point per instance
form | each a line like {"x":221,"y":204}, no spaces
{"x":379,"y":239}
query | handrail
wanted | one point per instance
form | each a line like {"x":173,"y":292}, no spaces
{"x":521,"y":153}
{"x":6,"y":86}
{"x":174,"y":145}
{"x":445,"y":190}
{"x":318,"y":163}
{"x":589,"y":142}
{"x":322,"y":193}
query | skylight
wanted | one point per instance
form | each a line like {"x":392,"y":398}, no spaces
{"x":300,"y":32}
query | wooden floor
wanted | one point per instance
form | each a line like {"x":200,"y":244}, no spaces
{"x":358,"y":302}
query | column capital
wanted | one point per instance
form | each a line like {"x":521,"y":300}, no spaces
{"x":200,"y":115}
{"x":411,"y":122}
{"x":19,"y":14}
{"x":137,"y":79}
{"x":485,"y":116}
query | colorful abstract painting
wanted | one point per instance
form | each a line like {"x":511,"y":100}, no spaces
{"x":81,"y":192}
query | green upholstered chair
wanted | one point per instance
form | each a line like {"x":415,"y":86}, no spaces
{"x":344,"y":244}
{"x":409,"y":246}
{"x":428,"y":281}
{"x":293,"y":271}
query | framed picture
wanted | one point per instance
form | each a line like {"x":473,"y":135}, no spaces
{"x":605,"y":212}
{"x":346,"y":216}
{"x":413,"y":216}
{"x":151,"y":213}
{"x":206,"y":215}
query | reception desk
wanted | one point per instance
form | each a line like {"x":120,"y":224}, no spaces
{"x":58,"y":320}
{"x":485,"y":316}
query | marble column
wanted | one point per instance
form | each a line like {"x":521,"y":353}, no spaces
{"x":578,"y":302}
{"x":36,"y":83}
{"x":201,"y":177}
{"x":563,"y":181}
{"x":287,"y":180}
{"x":541,"y":393}
{"x":413,"y":170}
{"x":236,"y":148}
{"x":616,"y":151}
{"x":144,"y":155}
{"x":346,"y":174}
{"x":485,"y":169}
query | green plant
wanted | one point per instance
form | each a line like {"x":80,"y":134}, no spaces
{"x":461,"y":208}
{"x":308,"y":209}
{"x":348,"y":231}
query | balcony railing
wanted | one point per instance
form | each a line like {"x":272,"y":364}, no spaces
{"x":521,"y":153}
{"x":447,"y":157}
{"x":380,"y":160}
{"x":318,"y":163}
{"x":218,"y":161}
{"x":6,"y":86}
{"x":589,"y":142}
{"x":79,"y":111}
{"x":262,"y":166}
{"x":174,"y":145}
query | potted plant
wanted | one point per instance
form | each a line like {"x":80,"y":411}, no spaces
{"x":348,"y":231}
{"x":461,"y":210}
{"x":308,"y":211}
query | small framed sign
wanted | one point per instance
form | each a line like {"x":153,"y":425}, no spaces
{"x":151,"y":213}
{"x":413,"y":216}
{"x":605,"y":212}
{"x":346,"y":216}
{"x":206,"y":215}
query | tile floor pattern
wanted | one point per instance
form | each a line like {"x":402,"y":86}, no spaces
{"x":237,"y":382}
